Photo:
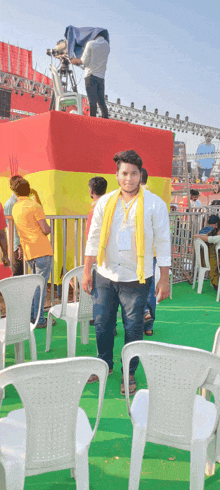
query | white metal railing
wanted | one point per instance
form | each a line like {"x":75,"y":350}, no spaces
{"x":182,"y":228}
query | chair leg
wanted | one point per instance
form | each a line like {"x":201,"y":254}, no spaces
{"x":200,"y":280}
{"x":197,"y":465}
{"x":49,"y":331}
{"x":2,"y":478}
{"x":218,"y":292}
{"x":194,"y":278}
{"x":137,"y":452}
{"x":33,"y":347}
{"x":12,"y":475}
{"x":82,"y":471}
{"x":71,"y":324}
{"x":19,"y":352}
{"x":84,"y":331}
{"x":171,"y":286}
{"x":2,"y":365}
{"x":210,"y":460}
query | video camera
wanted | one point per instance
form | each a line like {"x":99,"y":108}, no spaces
{"x":60,"y":51}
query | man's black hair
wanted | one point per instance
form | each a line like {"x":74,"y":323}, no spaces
{"x":21,"y":187}
{"x":98,"y":185}
{"x":194,"y":192}
{"x":14,"y":178}
{"x":213,"y":219}
{"x":129,"y":156}
{"x":144,"y":176}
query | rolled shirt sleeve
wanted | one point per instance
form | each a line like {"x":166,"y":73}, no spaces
{"x":214,"y":239}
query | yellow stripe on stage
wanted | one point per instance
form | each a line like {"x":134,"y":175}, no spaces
{"x":67,"y":193}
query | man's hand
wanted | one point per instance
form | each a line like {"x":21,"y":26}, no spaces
{"x":76,"y":61}
{"x":87,"y":283}
{"x":163,"y":285}
{"x":5,"y":260}
{"x":20,"y":253}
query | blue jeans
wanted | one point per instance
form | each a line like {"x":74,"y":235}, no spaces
{"x":107,"y":295}
{"x":42,"y":266}
{"x":151,"y":301}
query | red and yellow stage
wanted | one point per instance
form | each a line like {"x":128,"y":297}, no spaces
{"x":58,"y":153}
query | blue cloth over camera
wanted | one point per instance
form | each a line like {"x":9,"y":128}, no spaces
{"x":77,"y":38}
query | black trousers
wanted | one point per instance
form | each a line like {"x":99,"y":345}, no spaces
{"x":95,"y":88}
{"x":18,"y":265}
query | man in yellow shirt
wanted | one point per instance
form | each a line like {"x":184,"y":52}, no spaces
{"x":32,"y":228}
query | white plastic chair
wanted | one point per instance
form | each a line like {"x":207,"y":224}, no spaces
{"x":52,"y":432}
{"x":206,"y":391}
{"x":64,"y":99}
{"x":217,"y":249}
{"x":72,"y":313}
{"x":198,"y":245}
{"x":18,"y":293}
{"x":169,"y":412}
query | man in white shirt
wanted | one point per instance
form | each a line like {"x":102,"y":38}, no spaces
{"x":139,"y":221}
{"x":94,"y":59}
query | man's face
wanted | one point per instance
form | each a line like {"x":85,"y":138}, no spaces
{"x":193,"y":198}
{"x":128,"y":177}
{"x":208,"y":138}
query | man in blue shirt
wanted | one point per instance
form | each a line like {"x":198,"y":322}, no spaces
{"x":204,"y":148}
{"x":18,"y":254}
{"x":212,"y":223}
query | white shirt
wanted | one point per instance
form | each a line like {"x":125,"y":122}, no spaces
{"x":121,"y":265}
{"x":214,"y":239}
{"x":95,"y":57}
{"x":196,"y":204}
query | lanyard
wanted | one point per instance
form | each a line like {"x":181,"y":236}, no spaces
{"x":127,"y":210}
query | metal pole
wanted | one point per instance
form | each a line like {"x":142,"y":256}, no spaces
{"x":64,"y":245}
{"x":187,"y":178}
{"x":52,"y":271}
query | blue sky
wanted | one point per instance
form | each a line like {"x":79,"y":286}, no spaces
{"x":164,"y":54}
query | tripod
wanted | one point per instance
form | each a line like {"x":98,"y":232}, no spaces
{"x":65,"y":75}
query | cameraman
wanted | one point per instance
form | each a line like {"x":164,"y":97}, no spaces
{"x":94,"y":59}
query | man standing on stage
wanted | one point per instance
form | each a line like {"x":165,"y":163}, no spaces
{"x":126,"y":225}
{"x":94,"y":59}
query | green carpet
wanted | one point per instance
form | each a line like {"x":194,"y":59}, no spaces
{"x":188,"y":319}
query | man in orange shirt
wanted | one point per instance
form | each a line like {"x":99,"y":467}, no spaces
{"x":32,"y":228}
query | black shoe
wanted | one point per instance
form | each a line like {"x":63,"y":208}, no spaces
{"x":92,"y":322}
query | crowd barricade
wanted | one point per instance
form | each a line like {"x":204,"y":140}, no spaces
{"x":183,"y":225}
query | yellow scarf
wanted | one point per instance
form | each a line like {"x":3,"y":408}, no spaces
{"x":139,"y":231}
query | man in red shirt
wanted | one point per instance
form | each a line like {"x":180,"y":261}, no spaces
{"x":97,"y":188}
{"x":3,"y":238}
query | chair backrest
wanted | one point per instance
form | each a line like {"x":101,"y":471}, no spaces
{"x":217,"y":249}
{"x":198,"y":246}
{"x":50,"y":392}
{"x":18,"y":293}
{"x":85,"y":300}
{"x":173,"y":375}
{"x":57,"y":84}
{"x":62,"y":98}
